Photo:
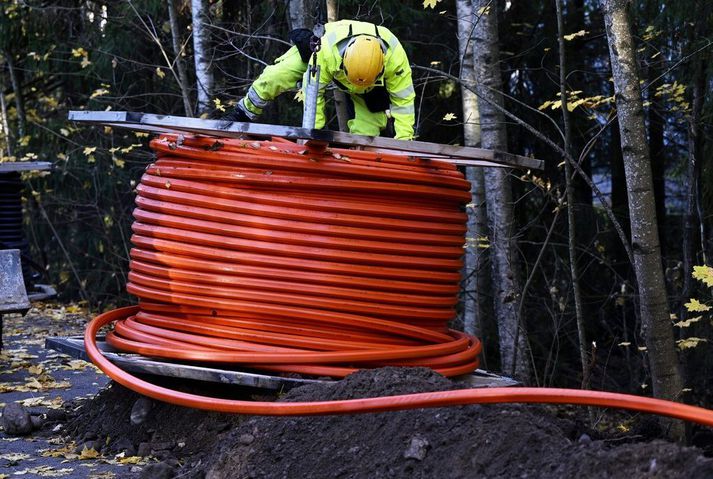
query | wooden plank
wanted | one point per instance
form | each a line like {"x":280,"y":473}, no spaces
{"x":14,"y":166}
{"x":74,"y":346}
{"x":460,"y":155}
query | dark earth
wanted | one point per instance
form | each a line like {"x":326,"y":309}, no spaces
{"x":129,"y":436}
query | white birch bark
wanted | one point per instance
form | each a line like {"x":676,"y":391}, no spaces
{"x":201,"y":55}
{"x":340,"y":98}
{"x":178,"y":52}
{"x":656,"y":324}
{"x":474,"y":274}
{"x":4,"y":123}
{"x":514,"y":356}
{"x":301,"y":13}
{"x":17,"y":89}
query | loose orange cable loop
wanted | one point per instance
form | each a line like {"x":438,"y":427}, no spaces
{"x":266,"y":255}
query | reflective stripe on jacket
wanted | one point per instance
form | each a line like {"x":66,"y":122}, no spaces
{"x":283,"y":75}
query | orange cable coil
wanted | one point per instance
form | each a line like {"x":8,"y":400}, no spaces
{"x":269,"y":255}
{"x":272,"y":256}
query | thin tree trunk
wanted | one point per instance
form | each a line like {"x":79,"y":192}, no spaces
{"x":474,"y":277}
{"x":301,"y":13}
{"x":654,"y":311}
{"x":340,"y":97}
{"x":658,"y":159}
{"x":178,"y":52}
{"x":619,"y":203}
{"x":17,"y":88}
{"x":695,"y":155}
{"x":4,"y":123}
{"x":506,"y":284}
{"x":201,"y":56}
{"x":584,"y":213}
{"x":572,"y":240}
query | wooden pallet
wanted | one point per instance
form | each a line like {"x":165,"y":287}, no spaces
{"x":135,"y":363}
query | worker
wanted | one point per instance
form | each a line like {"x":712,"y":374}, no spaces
{"x":364,"y":60}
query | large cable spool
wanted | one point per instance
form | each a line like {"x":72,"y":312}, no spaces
{"x":215,"y":241}
{"x":269,"y":255}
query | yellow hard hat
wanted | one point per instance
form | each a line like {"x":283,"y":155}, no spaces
{"x":363,"y":60}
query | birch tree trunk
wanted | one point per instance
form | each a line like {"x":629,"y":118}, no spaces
{"x":4,"y":123}
{"x":475,"y":278}
{"x":656,"y":324}
{"x":340,"y":98}
{"x":301,"y":13}
{"x":17,"y":89}
{"x":498,"y":192}
{"x":201,"y":56}
{"x":178,"y":52}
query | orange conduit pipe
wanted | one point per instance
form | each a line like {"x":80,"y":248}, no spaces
{"x":387,"y":403}
{"x":272,"y":256}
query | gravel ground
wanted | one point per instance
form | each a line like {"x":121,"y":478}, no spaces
{"x":49,"y":385}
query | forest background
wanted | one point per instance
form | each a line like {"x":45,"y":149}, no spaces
{"x":563,"y":305}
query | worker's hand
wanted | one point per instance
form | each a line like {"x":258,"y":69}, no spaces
{"x":237,"y":115}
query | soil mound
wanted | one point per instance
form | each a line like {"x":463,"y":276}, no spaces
{"x":119,"y":420}
{"x":495,"y":441}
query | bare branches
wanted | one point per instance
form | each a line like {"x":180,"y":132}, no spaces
{"x":600,"y":196}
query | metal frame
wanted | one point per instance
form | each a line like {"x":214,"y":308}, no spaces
{"x":13,"y":296}
{"x":74,"y":346}
{"x":459,"y":155}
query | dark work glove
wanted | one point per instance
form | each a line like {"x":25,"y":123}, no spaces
{"x":301,"y":38}
{"x":237,"y":115}
{"x":377,"y":99}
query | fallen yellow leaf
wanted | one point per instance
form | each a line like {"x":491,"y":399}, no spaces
{"x":89,"y":453}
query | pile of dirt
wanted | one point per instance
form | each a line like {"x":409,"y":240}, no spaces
{"x":119,"y":420}
{"x":457,"y":442}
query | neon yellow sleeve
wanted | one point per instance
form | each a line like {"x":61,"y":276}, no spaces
{"x":275,"y":79}
{"x":397,"y":75}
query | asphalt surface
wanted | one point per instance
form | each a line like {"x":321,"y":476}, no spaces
{"x":43,"y":380}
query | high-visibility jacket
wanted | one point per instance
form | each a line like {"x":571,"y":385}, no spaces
{"x":283,"y":75}
{"x":290,"y":68}
{"x":396,"y":77}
